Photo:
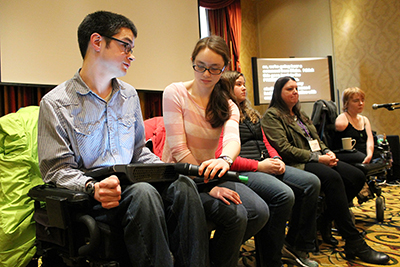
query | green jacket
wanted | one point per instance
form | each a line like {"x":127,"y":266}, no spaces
{"x":289,"y":139}
{"x":19,"y":172}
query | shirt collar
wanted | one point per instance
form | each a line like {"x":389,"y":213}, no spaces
{"x":83,"y":89}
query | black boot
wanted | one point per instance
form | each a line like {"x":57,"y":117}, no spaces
{"x":358,"y":247}
{"x":325,"y":229}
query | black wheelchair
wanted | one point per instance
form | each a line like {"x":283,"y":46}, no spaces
{"x":66,"y":235}
{"x":323,"y":117}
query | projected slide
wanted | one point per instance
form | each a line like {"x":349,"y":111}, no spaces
{"x":313,"y":76}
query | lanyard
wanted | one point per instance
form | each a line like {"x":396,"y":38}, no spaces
{"x":300,"y":123}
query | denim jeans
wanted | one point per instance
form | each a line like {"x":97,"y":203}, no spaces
{"x":234,"y":223}
{"x":186,"y":222}
{"x":293,"y":193}
{"x":152,"y":232}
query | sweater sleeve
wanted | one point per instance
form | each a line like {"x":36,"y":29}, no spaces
{"x":231,"y":128}
{"x":240,"y":164}
{"x":244,"y":165}
{"x":219,"y":148}
{"x":174,"y":124}
{"x":271,"y":151}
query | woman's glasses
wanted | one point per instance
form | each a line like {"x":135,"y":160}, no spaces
{"x":202,"y":69}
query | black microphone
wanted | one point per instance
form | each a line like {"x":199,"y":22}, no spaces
{"x":193,"y":170}
{"x":388,"y":105}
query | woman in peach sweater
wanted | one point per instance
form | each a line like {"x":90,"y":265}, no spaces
{"x":195,"y":112}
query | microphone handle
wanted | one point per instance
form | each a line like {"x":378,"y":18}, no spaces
{"x":388,"y":105}
{"x":193,"y":170}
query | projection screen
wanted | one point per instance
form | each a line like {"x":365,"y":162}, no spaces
{"x":38,"y":39}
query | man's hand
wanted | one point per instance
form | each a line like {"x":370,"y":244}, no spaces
{"x":271,"y":166}
{"x":224,"y":193}
{"x":108,"y":192}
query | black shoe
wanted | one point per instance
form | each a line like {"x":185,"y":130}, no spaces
{"x":301,"y":257}
{"x":359,"y":248}
{"x":325,"y":229}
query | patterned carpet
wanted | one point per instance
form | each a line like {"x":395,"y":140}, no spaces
{"x":383,"y":236}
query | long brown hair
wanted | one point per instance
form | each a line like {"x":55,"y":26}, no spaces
{"x":245,"y":108}
{"x":217,"y":110}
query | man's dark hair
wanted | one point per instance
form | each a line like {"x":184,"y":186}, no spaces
{"x":104,"y":23}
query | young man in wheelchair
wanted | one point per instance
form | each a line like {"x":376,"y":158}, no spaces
{"x":94,"y":120}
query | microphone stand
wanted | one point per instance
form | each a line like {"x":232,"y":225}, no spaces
{"x":391,"y":108}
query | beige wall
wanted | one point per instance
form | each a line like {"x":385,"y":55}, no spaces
{"x":362,"y":36}
{"x":367,"y":50}
{"x":288,"y":28}
{"x":249,"y":45}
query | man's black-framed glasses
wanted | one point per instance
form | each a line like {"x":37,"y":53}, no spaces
{"x":128,"y":47}
{"x":202,"y":69}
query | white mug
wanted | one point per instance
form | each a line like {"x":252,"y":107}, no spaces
{"x":348,"y":143}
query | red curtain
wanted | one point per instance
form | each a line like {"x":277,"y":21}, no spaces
{"x":14,"y":97}
{"x":225,"y":20}
{"x":153,"y":104}
{"x":215,"y":4}
{"x":235,"y":29}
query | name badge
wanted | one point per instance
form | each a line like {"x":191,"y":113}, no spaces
{"x":314,"y":145}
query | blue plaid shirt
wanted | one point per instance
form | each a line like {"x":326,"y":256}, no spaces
{"x":78,"y":129}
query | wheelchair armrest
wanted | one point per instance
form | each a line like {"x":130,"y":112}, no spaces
{"x":59,"y":202}
{"x":41,"y":192}
{"x":372,"y":168}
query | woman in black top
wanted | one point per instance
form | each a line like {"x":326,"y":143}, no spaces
{"x":352,"y":124}
{"x":291,"y":194}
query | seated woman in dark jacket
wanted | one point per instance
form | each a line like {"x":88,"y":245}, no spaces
{"x":275,"y":183}
{"x":292,"y":134}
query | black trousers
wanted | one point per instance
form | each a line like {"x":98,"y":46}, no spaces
{"x":351,"y":157}
{"x":340,"y":185}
